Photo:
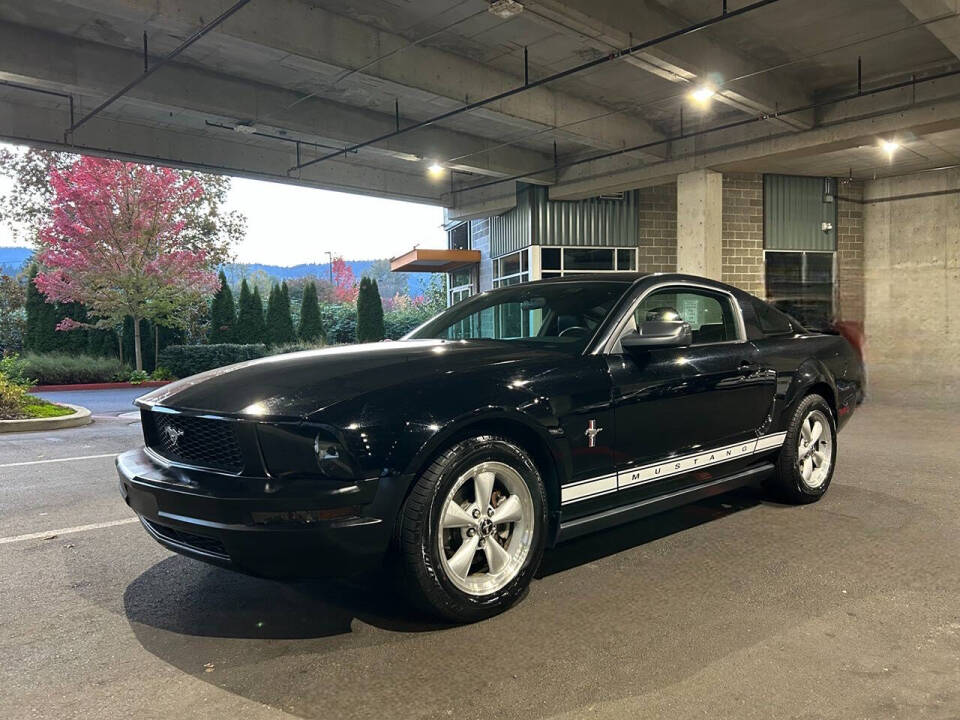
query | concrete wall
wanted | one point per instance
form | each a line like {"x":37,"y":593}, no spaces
{"x":912,"y":283}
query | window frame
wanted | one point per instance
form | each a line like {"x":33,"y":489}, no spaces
{"x":548,"y":273}
{"x":803,"y":273}
{"x":612,"y":345}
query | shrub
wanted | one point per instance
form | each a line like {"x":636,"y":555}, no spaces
{"x":184,"y":360}
{"x":13,"y":399}
{"x":340,"y":323}
{"x":64,"y":368}
{"x":294,"y":347}
{"x":138,"y":377}
{"x":14,"y":369}
{"x":162,"y":373}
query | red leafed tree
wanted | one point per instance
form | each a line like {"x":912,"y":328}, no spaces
{"x":116,"y":242}
{"x":344,"y":284}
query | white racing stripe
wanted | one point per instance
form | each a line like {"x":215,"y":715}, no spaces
{"x":56,"y":460}
{"x":67,"y":531}
{"x":586,"y":489}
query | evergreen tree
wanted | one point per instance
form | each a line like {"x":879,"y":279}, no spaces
{"x":260,"y":323}
{"x":311,"y":326}
{"x":41,"y":332}
{"x":369,"y":312}
{"x":249,"y":317}
{"x":223,"y":318}
{"x":279,"y":323}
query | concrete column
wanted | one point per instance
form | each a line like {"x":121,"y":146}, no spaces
{"x":700,"y":223}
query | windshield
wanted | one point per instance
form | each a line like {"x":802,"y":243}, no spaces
{"x":559,"y":314}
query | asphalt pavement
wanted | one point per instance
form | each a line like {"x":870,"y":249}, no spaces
{"x":732,"y":608}
{"x":99,"y":402}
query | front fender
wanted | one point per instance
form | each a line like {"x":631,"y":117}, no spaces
{"x":422,"y":440}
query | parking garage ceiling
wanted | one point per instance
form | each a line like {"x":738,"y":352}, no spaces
{"x":369,"y":95}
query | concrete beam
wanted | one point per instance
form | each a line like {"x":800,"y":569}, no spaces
{"x":947,"y":31}
{"x":42,"y":126}
{"x":327,"y":41}
{"x":44,"y":59}
{"x":862,"y":121}
{"x":607,"y":25}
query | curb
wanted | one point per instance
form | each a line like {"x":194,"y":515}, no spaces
{"x":81,"y":416}
{"x":100,"y":386}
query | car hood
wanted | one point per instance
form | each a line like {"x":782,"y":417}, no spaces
{"x":303,"y":383}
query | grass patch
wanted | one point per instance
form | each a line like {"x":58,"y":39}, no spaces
{"x":44,"y":409}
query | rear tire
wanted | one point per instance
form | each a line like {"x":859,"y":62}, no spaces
{"x":809,"y":454}
{"x":473,"y":529}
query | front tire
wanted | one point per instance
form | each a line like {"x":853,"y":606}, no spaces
{"x":473,"y":530}
{"x":809,"y":454}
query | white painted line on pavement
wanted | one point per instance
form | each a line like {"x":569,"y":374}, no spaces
{"x":53,"y":460}
{"x":67,"y":531}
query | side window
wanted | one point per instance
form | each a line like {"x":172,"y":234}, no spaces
{"x":710,"y":315}
{"x":771,"y":320}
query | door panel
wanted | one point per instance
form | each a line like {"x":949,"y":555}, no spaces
{"x":675,"y":404}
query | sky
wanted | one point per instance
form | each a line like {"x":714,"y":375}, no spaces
{"x":289,"y":225}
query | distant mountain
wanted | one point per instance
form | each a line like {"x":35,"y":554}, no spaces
{"x":416,"y":282}
{"x":13,"y":259}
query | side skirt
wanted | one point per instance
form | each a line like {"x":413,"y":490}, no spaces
{"x":651,"y":506}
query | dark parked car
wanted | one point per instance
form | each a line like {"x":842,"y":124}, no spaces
{"x":514,"y":420}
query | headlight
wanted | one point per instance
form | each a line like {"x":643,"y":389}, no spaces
{"x":291,"y":450}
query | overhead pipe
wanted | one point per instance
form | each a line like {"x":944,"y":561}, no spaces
{"x":616,"y":55}
{"x":199,"y":33}
{"x":717,"y":128}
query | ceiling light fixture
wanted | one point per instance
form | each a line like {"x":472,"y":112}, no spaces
{"x":505,"y":9}
{"x":702,"y":94}
{"x":436,"y":169}
{"x":889,"y":147}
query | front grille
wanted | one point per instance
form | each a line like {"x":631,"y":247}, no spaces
{"x":207,"y":545}
{"x":204,"y":442}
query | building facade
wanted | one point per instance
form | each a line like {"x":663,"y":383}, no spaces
{"x":796,"y":241}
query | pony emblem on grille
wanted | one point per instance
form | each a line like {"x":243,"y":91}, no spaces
{"x":173,"y":434}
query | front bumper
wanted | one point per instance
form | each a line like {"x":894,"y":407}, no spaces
{"x":304,"y":529}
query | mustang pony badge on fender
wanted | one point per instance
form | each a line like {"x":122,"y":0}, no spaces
{"x":591,"y":432}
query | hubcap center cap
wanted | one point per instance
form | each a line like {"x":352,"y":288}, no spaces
{"x":486,"y":527}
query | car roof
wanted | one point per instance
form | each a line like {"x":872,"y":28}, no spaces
{"x":592,"y":277}
{"x":635,"y":277}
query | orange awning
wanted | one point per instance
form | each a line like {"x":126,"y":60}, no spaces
{"x":425,"y":260}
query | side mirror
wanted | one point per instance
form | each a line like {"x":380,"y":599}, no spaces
{"x":658,"y":334}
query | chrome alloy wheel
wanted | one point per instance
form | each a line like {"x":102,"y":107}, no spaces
{"x":815,"y":449}
{"x":486,"y":528}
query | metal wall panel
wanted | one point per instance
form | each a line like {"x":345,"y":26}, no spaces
{"x":794,"y":211}
{"x":513,"y":230}
{"x":594,"y":222}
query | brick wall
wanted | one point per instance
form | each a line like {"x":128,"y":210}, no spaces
{"x":480,"y":240}
{"x":850,"y":288}
{"x":657,"y":244}
{"x":743,"y":232}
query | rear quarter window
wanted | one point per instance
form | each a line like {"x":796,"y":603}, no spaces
{"x":771,"y":320}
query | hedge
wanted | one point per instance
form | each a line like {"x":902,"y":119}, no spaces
{"x":65,"y":368}
{"x":184,"y":360}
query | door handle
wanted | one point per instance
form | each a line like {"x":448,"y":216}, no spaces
{"x":749,"y":367}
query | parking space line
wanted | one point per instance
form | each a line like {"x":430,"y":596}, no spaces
{"x":54,"y":460}
{"x":67,"y":531}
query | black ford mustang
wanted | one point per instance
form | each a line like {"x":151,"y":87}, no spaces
{"x":514,"y":420}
